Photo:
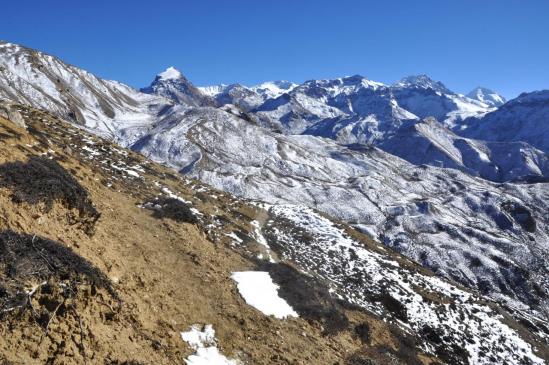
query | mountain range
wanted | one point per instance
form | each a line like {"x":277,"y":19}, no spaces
{"x":459,"y":184}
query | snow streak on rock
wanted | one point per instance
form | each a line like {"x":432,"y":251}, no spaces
{"x":452,"y":318}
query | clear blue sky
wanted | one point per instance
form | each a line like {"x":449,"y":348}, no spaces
{"x":500,"y":44}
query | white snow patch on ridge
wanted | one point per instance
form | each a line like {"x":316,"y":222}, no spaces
{"x":259,"y":291}
{"x":205,"y":344}
{"x":171,"y":73}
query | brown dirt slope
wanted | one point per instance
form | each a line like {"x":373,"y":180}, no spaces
{"x":101,"y":265}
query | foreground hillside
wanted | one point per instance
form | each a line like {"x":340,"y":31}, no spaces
{"x":489,"y":236}
{"x":110,"y":258}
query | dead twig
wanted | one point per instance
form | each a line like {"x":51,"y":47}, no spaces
{"x":29,"y":298}
{"x":106,"y":305}
{"x":51,"y":319}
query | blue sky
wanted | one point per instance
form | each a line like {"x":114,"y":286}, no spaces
{"x":501,"y":44}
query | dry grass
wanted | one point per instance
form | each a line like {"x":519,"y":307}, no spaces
{"x":166,"y":272}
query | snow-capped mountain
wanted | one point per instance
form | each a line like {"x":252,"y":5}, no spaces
{"x":422,"y":82}
{"x":350,"y":109}
{"x":491,"y":237}
{"x":525,"y":118}
{"x":354,"y":110}
{"x":324,"y":107}
{"x":43,"y":81}
{"x":173,"y":85}
{"x":425,"y":97}
{"x":345,"y":102}
{"x":248,"y":98}
{"x":430,"y":142}
{"x":273,"y":89}
{"x":440,"y":217}
{"x":281,"y":283}
{"x":487,"y":96}
{"x":235,"y":94}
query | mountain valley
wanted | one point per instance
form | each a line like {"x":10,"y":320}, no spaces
{"x":401,"y":223}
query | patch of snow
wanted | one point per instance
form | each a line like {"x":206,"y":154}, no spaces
{"x":172,"y":195}
{"x":126,"y":170}
{"x":234,"y":237}
{"x":205,"y":344}
{"x":273,"y":89}
{"x":259,"y":291}
{"x":261,"y":239}
{"x":213,"y":90}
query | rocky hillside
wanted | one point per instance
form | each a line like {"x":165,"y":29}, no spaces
{"x":490,"y":237}
{"x":441,"y":218}
{"x":111,"y":258}
{"x":524,"y":118}
{"x":45,"y":82}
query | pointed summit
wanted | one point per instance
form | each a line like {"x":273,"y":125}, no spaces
{"x":173,"y":85}
{"x":487,"y":96}
{"x":171,"y":73}
{"x":422,"y":82}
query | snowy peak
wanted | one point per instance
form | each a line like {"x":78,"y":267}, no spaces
{"x":487,"y":96}
{"x":173,"y":85}
{"x":236,"y":94}
{"x":171,"y":73}
{"x":273,"y":89}
{"x":43,"y":81}
{"x":523,"y":119}
{"x":422,"y":82}
{"x":361,"y":81}
{"x":347,"y":84}
{"x":4,"y":44}
{"x":213,"y":90}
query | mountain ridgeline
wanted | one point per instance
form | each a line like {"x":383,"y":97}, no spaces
{"x":458,"y":184}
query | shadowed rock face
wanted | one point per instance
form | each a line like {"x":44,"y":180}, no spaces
{"x":521,"y":215}
{"x":524,"y":119}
